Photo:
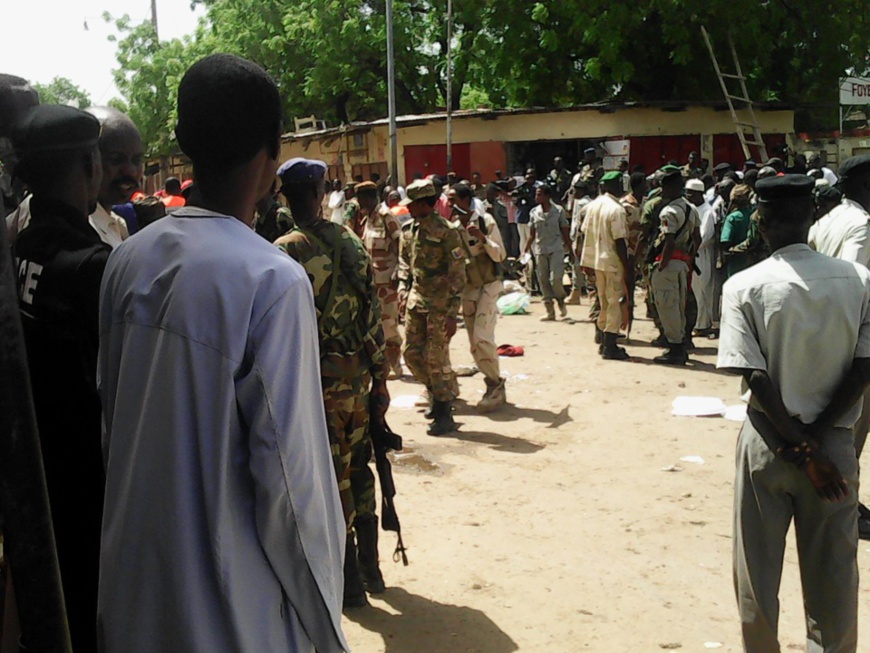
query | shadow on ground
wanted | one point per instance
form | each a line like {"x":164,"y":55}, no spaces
{"x":426,"y":626}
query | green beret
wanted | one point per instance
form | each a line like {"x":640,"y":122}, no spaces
{"x":613,"y":175}
{"x":784,"y":187}
{"x":670,"y":172}
{"x":50,"y":128}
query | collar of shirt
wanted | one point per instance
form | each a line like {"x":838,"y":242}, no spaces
{"x":855,"y":205}
{"x":789,"y":250}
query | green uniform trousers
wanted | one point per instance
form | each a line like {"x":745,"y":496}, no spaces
{"x":347,"y":420}
{"x":427,"y":352}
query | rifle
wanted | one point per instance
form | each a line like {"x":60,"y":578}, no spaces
{"x":384,"y":441}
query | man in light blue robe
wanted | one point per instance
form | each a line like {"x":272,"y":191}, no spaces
{"x":222,"y":527}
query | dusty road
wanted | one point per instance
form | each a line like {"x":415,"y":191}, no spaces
{"x":550,"y":526}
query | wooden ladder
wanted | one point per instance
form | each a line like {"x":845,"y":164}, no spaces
{"x":749,"y":133}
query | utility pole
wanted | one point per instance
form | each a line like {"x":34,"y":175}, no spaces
{"x":391,"y":98}
{"x":449,"y":85}
{"x":154,"y":19}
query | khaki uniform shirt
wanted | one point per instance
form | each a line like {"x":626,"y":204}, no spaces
{"x":605,"y":224}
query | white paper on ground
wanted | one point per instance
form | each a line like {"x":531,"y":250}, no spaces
{"x":693,"y":459}
{"x":698,"y":407}
{"x":405,"y":401}
{"x":736,"y":413}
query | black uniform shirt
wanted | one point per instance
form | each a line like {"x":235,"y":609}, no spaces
{"x":59,"y":262}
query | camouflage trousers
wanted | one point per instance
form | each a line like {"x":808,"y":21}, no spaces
{"x":347,"y":420}
{"x":481,"y":314}
{"x":427,"y":352}
{"x":388,"y":296}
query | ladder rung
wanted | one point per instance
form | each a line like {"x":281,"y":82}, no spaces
{"x":756,"y":143}
{"x":730,"y":76}
{"x":748,"y":124}
{"x":740,"y":97}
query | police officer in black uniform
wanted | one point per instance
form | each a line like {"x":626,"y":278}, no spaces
{"x":59,"y":260}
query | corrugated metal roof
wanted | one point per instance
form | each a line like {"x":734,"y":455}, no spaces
{"x":493,"y":114}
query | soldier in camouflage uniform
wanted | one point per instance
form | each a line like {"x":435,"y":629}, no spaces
{"x":484,"y":252}
{"x":381,"y":233}
{"x":362,"y":207}
{"x":432,"y":271}
{"x":352,"y":360}
{"x":272,"y":220}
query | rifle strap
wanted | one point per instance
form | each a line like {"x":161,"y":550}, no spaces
{"x":399,"y":553}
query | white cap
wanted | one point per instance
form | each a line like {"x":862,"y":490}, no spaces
{"x":695,"y":184}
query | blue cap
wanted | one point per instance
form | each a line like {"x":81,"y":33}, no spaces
{"x":589,"y":150}
{"x":302,"y":171}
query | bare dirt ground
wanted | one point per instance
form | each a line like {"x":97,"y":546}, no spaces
{"x":550,"y":525}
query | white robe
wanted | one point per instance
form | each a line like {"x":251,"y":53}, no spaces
{"x":702,"y":284}
{"x":222,"y":530}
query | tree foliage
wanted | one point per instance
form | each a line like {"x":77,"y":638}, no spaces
{"x":61,"y":90}
{"x":329,"y":56}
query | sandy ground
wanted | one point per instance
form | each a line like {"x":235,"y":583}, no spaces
{"x":550,"y":525}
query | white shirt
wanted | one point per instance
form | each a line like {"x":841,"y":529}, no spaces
{"x":707,"y":226}
{"x":844,"y":232}
{"x":111,"y":227}
{"x":803,"y":317}
{"x":222,"y":530}
{"x":578,"y":212}
{"x":336,"y":205}
{"x":605,"y":223}
{"x":828,"y":175}
{"x":17,"y":221}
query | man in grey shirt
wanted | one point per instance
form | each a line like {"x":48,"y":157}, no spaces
{"x":549,"y":238}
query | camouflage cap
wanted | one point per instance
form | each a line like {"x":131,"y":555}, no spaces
{"x":418,"y":190}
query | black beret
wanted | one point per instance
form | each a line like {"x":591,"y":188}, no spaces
{"x":16,"y":97}
{"x":828,"y":192}
{"x":54,"y":127}
{"x":855,"y":166}
{"x":722,"y":167}
{"x":784,"y":187}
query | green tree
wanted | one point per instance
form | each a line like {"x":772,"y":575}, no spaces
{"x":329,"y":56}
{"x":61,"y":90}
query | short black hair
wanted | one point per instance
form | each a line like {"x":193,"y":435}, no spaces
{"x":463,"y":191}
{"x":172,"y":185}
{"x":637,"y":179}
{"x":228,"y":110}
{"x":546,"y":190}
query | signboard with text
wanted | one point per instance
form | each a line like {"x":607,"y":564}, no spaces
{"x":854,"y":90}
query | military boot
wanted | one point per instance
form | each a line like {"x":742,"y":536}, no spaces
{"x":610,"y":350}
{"x":354,"y":590}
{"x":563,"y":312}
{"x":367,"y":539}
{"x":551,"y":313}
{"x":573,"y":298}
{"x":442,"y":413}
{"x":495,"y":396}
{"x":675,"y":355}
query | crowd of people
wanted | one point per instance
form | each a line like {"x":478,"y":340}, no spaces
{"x":224,"y":349}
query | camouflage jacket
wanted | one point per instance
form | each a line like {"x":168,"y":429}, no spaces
{"x":432,"y":265}
{"x":355,"y":218}
{"x":381,"y":234}
{"x":274,"y":222}
{"x":348,"y":312}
